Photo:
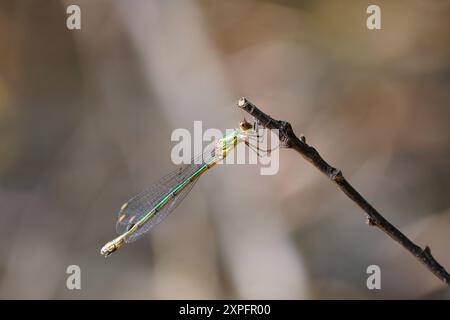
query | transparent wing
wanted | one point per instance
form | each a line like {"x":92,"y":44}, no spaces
{"x":135,"y":208}
{"x":163,"y":213}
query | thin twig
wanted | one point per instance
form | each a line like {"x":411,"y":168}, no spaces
{"x":288,"y":139}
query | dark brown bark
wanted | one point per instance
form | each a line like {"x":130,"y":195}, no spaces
{"x":288,"y":139}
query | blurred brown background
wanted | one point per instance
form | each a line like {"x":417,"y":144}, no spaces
{"x":86,"y":118}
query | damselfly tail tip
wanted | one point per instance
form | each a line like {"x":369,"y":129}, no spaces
{"x":111,"y":246}
{"x":104,"y":251}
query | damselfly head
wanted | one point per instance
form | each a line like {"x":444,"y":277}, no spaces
{"x":244,"y":125}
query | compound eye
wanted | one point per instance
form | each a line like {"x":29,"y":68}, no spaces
{"x":245,"y":125}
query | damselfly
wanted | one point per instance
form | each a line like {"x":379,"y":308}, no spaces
{"x":151,"y":206}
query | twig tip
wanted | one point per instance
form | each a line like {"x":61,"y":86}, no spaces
{"x":242,"y":101}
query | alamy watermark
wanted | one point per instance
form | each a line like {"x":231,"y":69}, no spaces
{"x":73,"y":21}
{"x":255,"y":146}
{"x":374,"y":280}
{"x":73,"y":281}
{"x":373,"y":21}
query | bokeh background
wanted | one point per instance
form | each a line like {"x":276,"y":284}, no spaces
{"x":86,"y":118}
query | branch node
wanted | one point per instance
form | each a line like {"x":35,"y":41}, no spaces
{"x":370,"y":221}
{"x":336,"y":175}
{"x":427,"y":252}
